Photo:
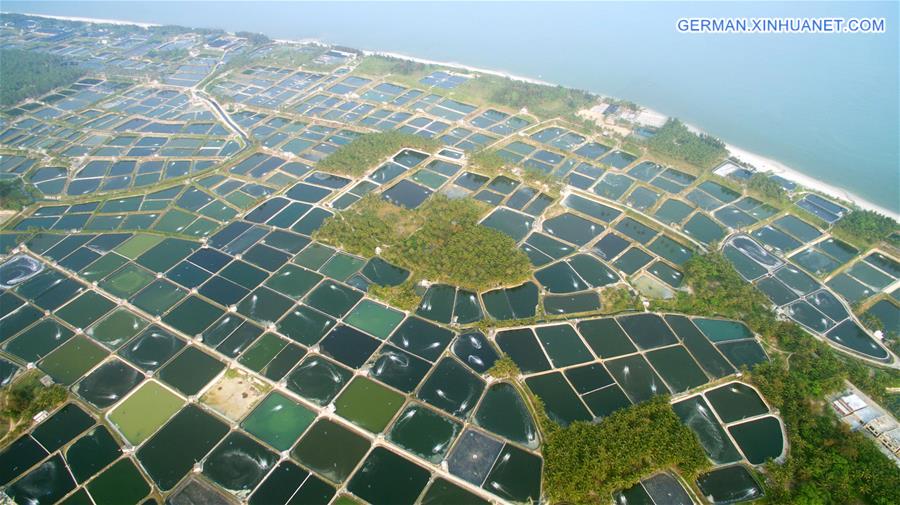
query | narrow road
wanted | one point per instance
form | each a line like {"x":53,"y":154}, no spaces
{"x":221,"y":114}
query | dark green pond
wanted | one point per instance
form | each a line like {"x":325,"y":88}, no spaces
{"x":318,"y":379}
{"x":290,"y":482}
{"x":239,"y":463}
{"x":331,"y":450}
{"x":193,"y":432}
{"x":706,"y":354}
{"x":563,"y":345}
{"x":474,"y":350}
{"x":636,"y":377}
{"x":398,"y":368}
{"x":45,"y":484}
{"x":648,"y":331}
{"x":606,"y":337}
{"x":736,"y":401}
{"x":696,"y":414}
{"x":730,"y":484}
{"x":90,"y":453}
{"x":677,"y":368}
{"x":503,"y":411}
{"x":563,"y":405}
{"x":424,"y":432}
{"x":386,"y":478}
{"x":516,"y":476}
{"x":63,"y":426}
{"x":118,"y":484}
{"x":452,"y":388}
{"x":512,"y":303}
{"x":444,"y":492}
{"x":522,"y":346}
{"x":760,"y":439}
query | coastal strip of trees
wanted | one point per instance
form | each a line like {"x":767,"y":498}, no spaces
{"x":675,"y":141}
{"x":867,"y":227}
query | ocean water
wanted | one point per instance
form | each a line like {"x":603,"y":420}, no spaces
{"x":827,"y":105}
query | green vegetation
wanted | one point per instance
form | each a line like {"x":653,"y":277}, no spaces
{"x":402,"y":296}
{"x":718,"y":290}
{"x":768,"y":189}
{"x":487,"y":161}
{"x":542,"y":100}
{"x":619,"y":299}
{"x":440,"y":241}
{"x":866,"y":226}
{"x":383,"y":65}
{"x":586,"y":462}
{"x":504,"y":368}
{"x":257,"y":39}
{"x":14,"y":194}
{"x":826,"y":463}
{"x":24,"y":399}
{"x":370,"y":223}
{"x":366,"y":151}
{"x":674,"y":141}
{"x":28,"y":74}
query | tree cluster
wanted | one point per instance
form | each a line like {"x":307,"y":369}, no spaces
{"x":440,"y":241}
{"x":402,"y":296}
{"x":543,"y":100}
{"x":766,"y":187}
{"x":15,"y":194}
{"x":27,"y":74}
{"x":24,"y":399}
{"x":826,"y":463}
{"x":619,"y":299}
{"x":587,"y":462}
{"x":504,"y":368}
{"x":867,"y":226}
{"x":487,"y":161}
{"x":256,"y":39}
{"x":716,"y":289}
{"x":366,"y":151}
{"x":674,"y":140}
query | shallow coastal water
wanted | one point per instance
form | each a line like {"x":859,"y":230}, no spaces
{"x":824,"y":104}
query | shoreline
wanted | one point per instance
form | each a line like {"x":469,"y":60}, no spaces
{"x":760,"y":162}
{"x":763,"y":164}
{"x":96,"y":21}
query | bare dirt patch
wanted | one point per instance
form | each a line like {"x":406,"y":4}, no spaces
{"x":235,"y":394}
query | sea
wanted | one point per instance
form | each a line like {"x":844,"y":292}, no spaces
{"x":826,"y":105}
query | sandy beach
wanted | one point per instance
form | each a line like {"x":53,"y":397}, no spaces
{"x":759,"y":162}
{"x":763,"y":164}
{"x":459,"y":66}
{"x":99,"y":21}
